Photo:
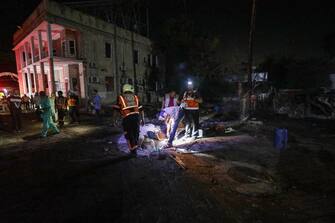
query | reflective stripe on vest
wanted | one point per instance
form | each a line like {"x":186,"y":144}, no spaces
{"x":190,"y":102}
{"x":129,"y":105}
{"x":72,"y":102}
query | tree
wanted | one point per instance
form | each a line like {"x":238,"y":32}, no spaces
{"x":193,"y":49}
{"x":292,"y":73}
{"x":329,"y":44}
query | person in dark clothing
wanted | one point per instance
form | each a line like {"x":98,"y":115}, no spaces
{"x":14,"y":104}
{"x":25,"y":102}
{"x":191,"y":99}
{"x":97,"y":106}
{"x":131,"y":126}
{"x":61,"y":108}
{"x":72,"y":103}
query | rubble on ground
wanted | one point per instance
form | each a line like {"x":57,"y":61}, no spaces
{"x":152,"y":138}
{"x":298,"y":104}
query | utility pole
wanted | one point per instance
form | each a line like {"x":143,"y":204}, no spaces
{"x":133,"y":59}
{"x":251,"y":44}
{"x":246,"y":91}
{"x":117,"y":79}
{"x":147,"y":22}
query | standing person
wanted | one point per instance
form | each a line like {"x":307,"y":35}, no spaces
{"x":37,"y":106}
{"x":129,"y":106}
{"x":46,"y":114}
{"x":14,"y":104}
{"x":97,"y":105}
{"x":169,"y":106}
{"x":192,"y":99}
{"x":61,"y":107}
{"x":253,"y":103}
{"x":36,"y":99}
{"x":32,"y":103}
{"x":25,"y":102}
{"x":52,"y":100}
{"x":72,"y":103}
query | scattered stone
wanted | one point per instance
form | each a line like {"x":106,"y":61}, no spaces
{"x":256,"y":189}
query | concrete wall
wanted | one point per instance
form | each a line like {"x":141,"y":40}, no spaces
{"x":94,"y":33}
{"x":91,"y":34}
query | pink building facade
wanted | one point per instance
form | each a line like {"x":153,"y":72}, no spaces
{"x":47,"y":55}
{"x":59,"y":48}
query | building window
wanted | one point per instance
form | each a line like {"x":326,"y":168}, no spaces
{"x":26,"y":79}
{"x":108,"y":50}
{"x":72,"y":47}
{"x":46,"y":82}
{"x":149,"y":60}
{"x":109,"y":83}
{"x":58,"y":86}
{"x":154,"y":61}
{"x":63,"y":48}
{"x":74,"y":84}
{"x":135,"y":56}
{"x":32,"y":80}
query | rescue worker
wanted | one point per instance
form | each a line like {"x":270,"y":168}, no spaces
{"x":14,"y":104}
{"x":61,"y":108}
{"x":170,"y":109}
{"x":46,"y":114}
{"x":130,"y":109}
{"x":191,"y":99}
{"x":72,"y":103}
{"x":25,"y":102}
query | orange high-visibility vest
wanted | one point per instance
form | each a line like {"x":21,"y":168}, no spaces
{"x":129,"y":104}
{"x":71,"y":102}
{"x":190,"y":101}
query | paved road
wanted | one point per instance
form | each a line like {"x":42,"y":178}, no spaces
{"x":80,"y":175}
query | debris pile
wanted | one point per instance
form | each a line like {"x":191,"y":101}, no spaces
{"x":301,"y":104}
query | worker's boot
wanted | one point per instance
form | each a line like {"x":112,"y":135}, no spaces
{"x":133,"y":151}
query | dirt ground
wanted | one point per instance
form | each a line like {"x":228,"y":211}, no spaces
{"x":83,"y":175}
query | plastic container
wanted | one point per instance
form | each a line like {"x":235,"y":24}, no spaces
{"x":281,"y":138}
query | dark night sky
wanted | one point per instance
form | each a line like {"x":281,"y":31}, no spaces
{"x":283,"y":27}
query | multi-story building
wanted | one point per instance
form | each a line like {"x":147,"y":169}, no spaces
{"x":59,"y":48}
